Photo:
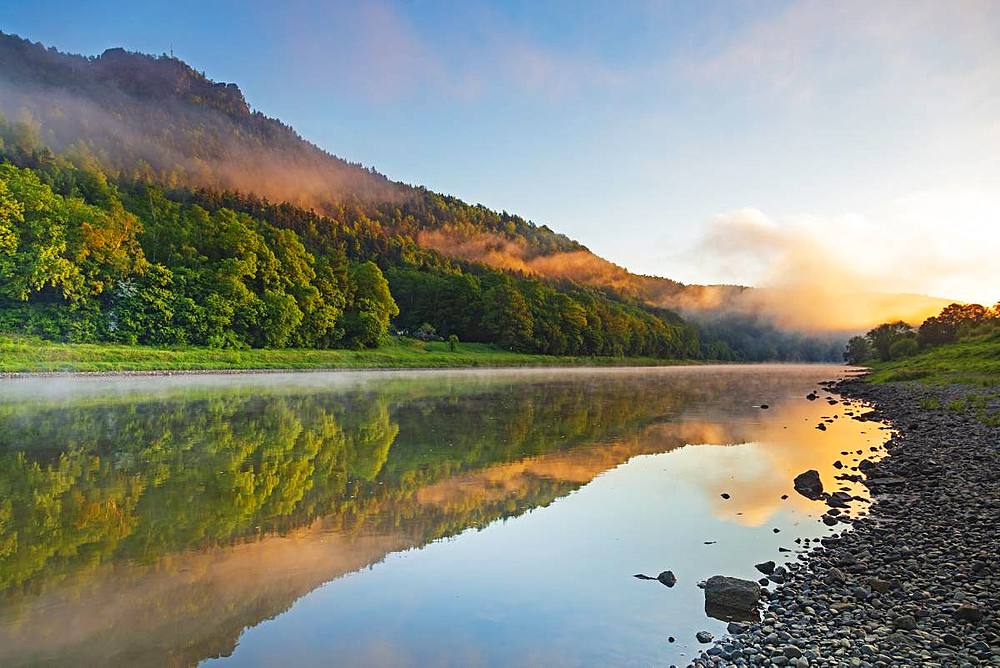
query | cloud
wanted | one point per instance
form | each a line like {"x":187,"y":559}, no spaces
{"x":844,"y":272}
{"x":817,"y":51}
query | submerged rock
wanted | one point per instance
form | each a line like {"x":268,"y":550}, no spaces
{"x":704,"y":637}
{"x":667,"y":578}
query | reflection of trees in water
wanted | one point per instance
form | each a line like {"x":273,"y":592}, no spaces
{"x":82,"y":484}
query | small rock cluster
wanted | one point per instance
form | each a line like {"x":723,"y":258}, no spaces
{"x":917,"y":580}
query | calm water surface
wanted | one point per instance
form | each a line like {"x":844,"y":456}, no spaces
{"x":446,"y":518}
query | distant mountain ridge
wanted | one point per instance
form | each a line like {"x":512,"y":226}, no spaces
{"x":155,"y":118}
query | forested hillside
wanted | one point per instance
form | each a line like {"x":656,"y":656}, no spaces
{"x":145,"y":203}
{"x":85,"y":258}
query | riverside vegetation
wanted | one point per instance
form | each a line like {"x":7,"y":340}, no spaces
{"x":959,"y":345}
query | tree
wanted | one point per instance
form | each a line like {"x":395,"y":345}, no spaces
{"x":367,"y":321}
{"x":506,"y":316}
{"x":142,"y":309}
{"x":935,"y":331}
{"x":882,"y":337}
{"x":39,"y":223}
{"x":857,"y":350}
{"x":959,"y":314}
{"x":11,"y":217}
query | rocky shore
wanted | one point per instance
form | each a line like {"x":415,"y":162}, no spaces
{"x":916,"y":582}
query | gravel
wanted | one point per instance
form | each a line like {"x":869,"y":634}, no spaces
{"x":916,"y":582}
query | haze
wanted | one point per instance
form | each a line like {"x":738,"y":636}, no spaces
{"x":850,"y":143}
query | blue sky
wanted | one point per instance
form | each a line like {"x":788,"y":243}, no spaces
{"x":764,"y":142}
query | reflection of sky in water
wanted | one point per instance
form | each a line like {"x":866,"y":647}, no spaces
{"x":550,"y":585}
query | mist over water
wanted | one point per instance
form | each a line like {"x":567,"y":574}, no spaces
{"x":482,"y":517}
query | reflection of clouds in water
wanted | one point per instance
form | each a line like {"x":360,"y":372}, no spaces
{"x":768,"y":454}
{"x":193,"y":603}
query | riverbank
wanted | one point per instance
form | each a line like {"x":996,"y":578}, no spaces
{"x":917,"y":580}
{"x":20,"y":354}
{"x":973,"y":361}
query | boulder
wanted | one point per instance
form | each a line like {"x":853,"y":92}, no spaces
{"x":808,"y":484}
{"x":732,"y":593}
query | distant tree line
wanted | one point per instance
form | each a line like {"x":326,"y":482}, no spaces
{"x":898,"y":340}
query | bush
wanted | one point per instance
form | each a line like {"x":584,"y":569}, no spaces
{"x":903,"y":348}
{"x":426,"y":332}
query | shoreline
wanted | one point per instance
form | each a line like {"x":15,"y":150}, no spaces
{"x":621,"y":364}
{"x":13,"y":375}
{"x":917,"y":580}
{"x":21,"y":356}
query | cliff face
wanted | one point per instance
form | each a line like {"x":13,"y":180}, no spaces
{"x":152,"y":78}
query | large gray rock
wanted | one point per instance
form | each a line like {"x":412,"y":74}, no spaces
{"x":808,"y":484}
{"x":731,"y":593}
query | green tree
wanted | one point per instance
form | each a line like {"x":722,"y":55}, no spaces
{"x":372,"y":307}
{"x":857,"y":350}
{"x":882,"y":337}
{"x":506,"y":316}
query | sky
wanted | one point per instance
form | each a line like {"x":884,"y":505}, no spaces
{"x":748,"y":142}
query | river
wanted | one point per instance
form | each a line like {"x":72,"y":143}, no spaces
{"x":420,"y":518}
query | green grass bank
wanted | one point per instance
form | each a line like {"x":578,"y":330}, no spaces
{"x":21,"y":354}
{"x":974,"y":361}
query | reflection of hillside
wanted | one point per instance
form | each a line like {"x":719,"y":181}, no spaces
{"x":145,"y":526}
{"x":194,"y":604}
